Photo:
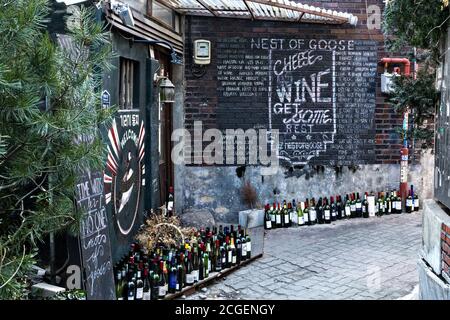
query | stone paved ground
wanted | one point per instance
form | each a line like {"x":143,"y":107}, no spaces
{"x":357,"y":259}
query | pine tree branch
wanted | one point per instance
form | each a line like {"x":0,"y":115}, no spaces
{"x":32,"y":191}
{"x":3,"y":187}
{"x":4,"y":251}
{"x":9,"y":154}
{"x":17,"y":270}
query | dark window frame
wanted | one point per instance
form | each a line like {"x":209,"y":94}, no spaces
{"x":135,"y":94}
{"x":175,"y":16}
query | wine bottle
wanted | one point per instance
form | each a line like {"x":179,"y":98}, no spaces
{"x":293,"y":215}
{"x":352,"y":206}
{"x":300,"y":215}
{"x":267,"y":218}
{"x":229,"y":253}
{"x":347,"y":210}
{"x":233,"y":253}
{"x":201,"y":265}
{"x":173,"y":277}
{"x":358,"y":206}
{"x":131,"y":287}
{"x":333,"y":209}
{"x":388,"y":210}
{"x":383,"y":203}
{"x":365,"y":206}
{"x":319,"y":210}
{"x":313,"y":212}
{"x":154,"y":284}
{"x":238,"y":249}
{"x":339,"y":208}
{"x":306,"y":215}
{"x":283,"y":214}
{"x":384,"y":195}
{"x":380,"y":208}
{"x":218,"y":267}
{"x":119,"y":286}
{"x":392,"y":199}
{"x":371,"y":205}
{"x":415,"y":200}
{"x":327,"y":212}
{"x":163,"y":280}
{"x":220,"y":236}
{"x":278,"y":217}
{"x":223,"y":255}
{"x":206,"y":264}
{"x":391,"y":202}
{"x":181,"y":270}
{"x":273,"y":216}
{"x":190,"y":277}
{"x":399,"y":203}
{"x":409,"y":203}
{"x":139,"y":286}
{"x":209,"y":253}
{"x":195,"y":262}
{"x":249,"y":244}
{"x":287,"y":216}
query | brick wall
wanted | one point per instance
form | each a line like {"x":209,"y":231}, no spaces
{"x":445,"y":240}
{"x":202,"y":85}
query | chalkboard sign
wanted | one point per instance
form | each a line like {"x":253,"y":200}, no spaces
{"x":94,"y":238}
{"x":320,"y":94}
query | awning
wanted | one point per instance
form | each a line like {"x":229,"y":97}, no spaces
{"x":279,"y":10}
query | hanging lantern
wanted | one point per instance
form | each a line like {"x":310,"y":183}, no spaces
{"x":166,"y":91}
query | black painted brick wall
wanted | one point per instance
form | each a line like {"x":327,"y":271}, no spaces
{"x":201,"y":92}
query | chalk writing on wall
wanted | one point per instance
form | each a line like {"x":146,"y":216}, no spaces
{"x":94,"y":237}
{"x":319,"y":94}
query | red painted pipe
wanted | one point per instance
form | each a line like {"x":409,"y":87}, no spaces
{"x":404,"y":151}
{"x":404,"y":61}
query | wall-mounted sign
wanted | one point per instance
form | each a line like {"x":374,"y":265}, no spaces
{"x":106,"y":99}
{"x":94,"y":238}
{"x":124,"y":176}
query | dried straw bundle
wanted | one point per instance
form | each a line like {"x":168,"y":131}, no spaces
{"x":160,"y":229}
{"x":248,"y":194}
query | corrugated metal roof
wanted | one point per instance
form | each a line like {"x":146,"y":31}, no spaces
{"x":280,"y":10}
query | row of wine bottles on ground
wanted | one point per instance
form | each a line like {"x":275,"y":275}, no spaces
{"x":151,"y":276}
{"x":335,"y":208}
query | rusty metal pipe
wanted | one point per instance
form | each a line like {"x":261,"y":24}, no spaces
{"x":403,"y":61}
{"x":404,"y":151}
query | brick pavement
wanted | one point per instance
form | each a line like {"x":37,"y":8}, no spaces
{"x":356,"y":259}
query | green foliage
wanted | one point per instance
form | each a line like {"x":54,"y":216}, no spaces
{"x":420,"y":96}
{"x":2,"y":147}
{"x":48,"y":100}
{"x":422,"y":24}
{"x":417,"y":23}
{"x":74,"y":294}
{"x":69,"y":295}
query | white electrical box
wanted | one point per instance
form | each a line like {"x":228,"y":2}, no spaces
{"x":202,"y":52}
{"x":387,"y":82}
